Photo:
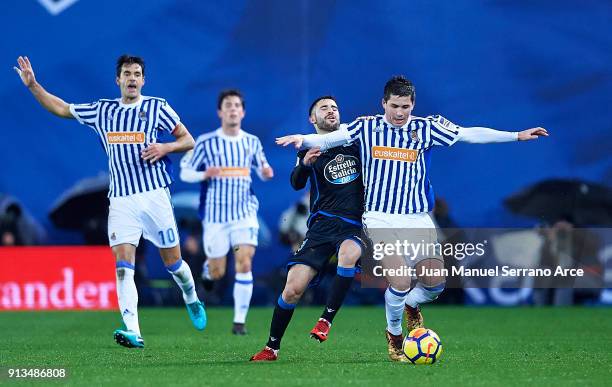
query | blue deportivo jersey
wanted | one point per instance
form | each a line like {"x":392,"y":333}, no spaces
{"x":395,"y":161}
{"x":124,"y":130}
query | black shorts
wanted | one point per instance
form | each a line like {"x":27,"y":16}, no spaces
{"x":323,"y":241}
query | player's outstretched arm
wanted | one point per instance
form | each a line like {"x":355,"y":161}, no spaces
{"x":322,"y":141}
{"x":49,"y":101}
{"x":183,"y":142}
{"x":293,"y":139}
{"x":480,"y":135}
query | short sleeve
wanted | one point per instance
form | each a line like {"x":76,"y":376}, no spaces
{"x":168,"y":119}
{"x":85,"y":113}
{"x":441,"y":131}
{"x":353,"y":130}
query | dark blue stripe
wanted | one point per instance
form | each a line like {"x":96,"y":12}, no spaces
{"x":283,"y":304}
{"x":124,"y":264}
{"x":345,"y":271}
{"x":313,"y":206}
{"x":355,"y":222}
{"x":175,"y":266}
{"x":244,"y":282}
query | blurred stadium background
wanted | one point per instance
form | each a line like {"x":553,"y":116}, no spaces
{"x":503,"y":64}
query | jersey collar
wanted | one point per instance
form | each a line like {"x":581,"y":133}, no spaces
{"x":403,"y":127}
{"x":230,"y":138}
{"x":130,"y":105}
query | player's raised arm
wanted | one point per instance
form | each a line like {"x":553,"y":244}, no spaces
{"x":49,"y":101}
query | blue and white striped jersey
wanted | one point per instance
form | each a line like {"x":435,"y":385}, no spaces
{"x":395,"y":161}
{"x":124,"y":130}
{"x":229,"y":196}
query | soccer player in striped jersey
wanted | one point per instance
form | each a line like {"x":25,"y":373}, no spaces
{"x":127,"y":128}
{"x":396,"y":152}
{"x":221,"y":162}
{"x":334,"y":228}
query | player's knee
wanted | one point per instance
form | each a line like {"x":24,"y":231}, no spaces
{"x":244,"y":252}
{"x":292,"y":294}
{"x":124,"y":255}
{"x":433,"y":282}
{"x":349,"y":253}
{"x":348,"y":259}
{"x":216,"y":272}
{"x":430,"y":273}
{"x":243,"y":266}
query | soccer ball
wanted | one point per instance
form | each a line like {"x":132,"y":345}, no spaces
{"x":422,"y":346}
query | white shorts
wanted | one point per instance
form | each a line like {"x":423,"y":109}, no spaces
{"x":148,"y":214}
{"x":219,"y":237}
{"x":418,"y":229}
{"x":377,"y":219}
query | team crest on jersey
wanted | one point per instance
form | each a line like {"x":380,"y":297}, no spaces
{"x":113,"y":237}
{"x":142,"y":115}
{"x":342,"y":169}
{"x":414,"y":135}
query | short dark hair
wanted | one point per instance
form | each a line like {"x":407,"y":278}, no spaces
{"x":229,"y":93}
{"x":128,"y":60}
{"x":400,"y":86}
{"x":314,"y":103}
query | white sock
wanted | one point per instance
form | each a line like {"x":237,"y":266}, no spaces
{"x":127,"y":296}
{"x":421,"y":294}
{"x":243,"y":290}
{"x":182,"y":276}
{"x":394,"y":309}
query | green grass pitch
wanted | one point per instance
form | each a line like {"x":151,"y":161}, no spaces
{"x":482,"y":346}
